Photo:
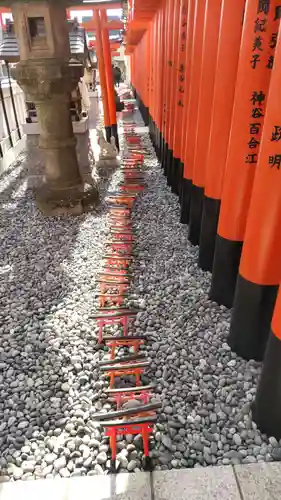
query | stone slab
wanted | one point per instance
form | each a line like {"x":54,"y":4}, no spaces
{"x":261,"y":481}
{"x":119,"y":487}
{"x":206,"y":483}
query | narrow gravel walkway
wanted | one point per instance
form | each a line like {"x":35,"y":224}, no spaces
{"x":50,"y":385}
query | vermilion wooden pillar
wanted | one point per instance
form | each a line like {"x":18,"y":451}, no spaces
{"x":254,"y":70}
{"x":109,"y":75}
{"x":225,"y":81}
{"x":155,"y":79}
{"x":207,"y":82}
{"x":168,"y":112}
{"x":152,"y":81}
{"x":186,"y":181}
{"x":166,"y":84}
{"x":147,"y":74}
{"x":164,"y":80}
{"x":160,"y":61}
{"x":179,"y":97}
{"x":173,"y":95}
{"x":260,"y":267}
{"x":161,"y":64}
{"x":195,"y":75}
{"x":102,"y":74}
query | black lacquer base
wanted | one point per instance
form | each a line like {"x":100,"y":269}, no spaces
{"x":225,"y":270}
{"x":266,"y":408}
{"x":196,"y":207}
{"x":251,"y":318}
{"x":185,"y":200}
{"x":209,"y":226}
{"x":107,"y":133}
{"x":175,"y":175}
{"x":114,"y":133}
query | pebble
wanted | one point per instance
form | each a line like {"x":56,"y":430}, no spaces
{"x":237,"y":439}
{"x":101,"y":457}
{"x":50,"y":458}
{"x":276,"y":454}
{"x":167,"y":442}
{"x":59,"y":463}
{"x":132,"y":465}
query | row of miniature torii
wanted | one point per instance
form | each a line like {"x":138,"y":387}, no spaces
{"x":207,"y":74}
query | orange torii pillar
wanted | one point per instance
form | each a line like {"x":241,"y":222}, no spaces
{"x":159,"y":75}
{"x":146,"y":41}
{"x":254,"y":71}
{"x":185,"y":182}
{"x":164,"y":82}
{"x":102,"y":74}
{"x":153,"y":91}
{"x":169,"y":73}
{"x":207,"y":82}
{"x":260,"y":266}
{"x":195,"y":76}
{"x":164,"y":146}
{"x":176,"y":173}
{"x":173,"y":97}
{"x":109,"y":76}
{"x":225,"y":80}
{"x":167,"y":83}
{"x":156,"y":81}
{"x":161,"y":64}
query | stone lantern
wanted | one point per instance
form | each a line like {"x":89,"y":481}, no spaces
{"x":46,"y":75}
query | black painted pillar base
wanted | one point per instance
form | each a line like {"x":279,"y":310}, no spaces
{"x":196,"y":207}
{"x":157,"y":141}
{"x":225,"y":270}
{"x":169,"y":160}
{"x":180,"y":180}
{"x":185,"y":200}
{"x":209,"y":225}
{"x":146,"y":116}
{"x":266,"y":408}
{"x":153,"y":133}
{"x":251,"y":318}
{"x":159,"y":144}
{"x":150,"y":129}
{"x":160,"y":147}
{"x":164,"y":155}
{"x":175,"y":175}
{"x":107,"y":133}
{"x":114,"y":133}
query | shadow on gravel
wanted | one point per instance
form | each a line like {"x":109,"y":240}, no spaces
{"x":32,"y":286}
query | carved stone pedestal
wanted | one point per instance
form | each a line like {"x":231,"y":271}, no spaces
{"x":36,"y":166}
{"x":49,"y":85}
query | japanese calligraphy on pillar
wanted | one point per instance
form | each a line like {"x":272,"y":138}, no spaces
{"x":273,"y":38}
{"x":182,"y":47}
{"x":274,"y":160}
{"x":264,"y":42}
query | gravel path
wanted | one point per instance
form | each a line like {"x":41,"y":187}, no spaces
{"x":49,"y":380}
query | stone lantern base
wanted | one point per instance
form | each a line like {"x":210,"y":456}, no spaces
{"x":73,"y":201}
